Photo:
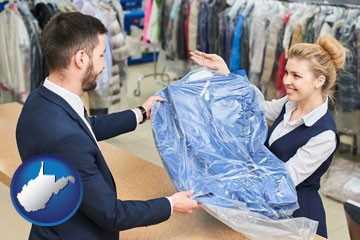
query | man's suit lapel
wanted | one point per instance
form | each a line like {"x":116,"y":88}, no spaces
{"x":56,"y":99}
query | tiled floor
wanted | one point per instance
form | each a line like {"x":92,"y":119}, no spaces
{"x":140,"y":142}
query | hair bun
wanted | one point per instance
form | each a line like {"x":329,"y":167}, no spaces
{"x":334,"y":48}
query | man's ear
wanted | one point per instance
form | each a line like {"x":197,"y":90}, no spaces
{"x":81,"y":59}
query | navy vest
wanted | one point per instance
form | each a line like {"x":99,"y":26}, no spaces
{"x":310,"y":204}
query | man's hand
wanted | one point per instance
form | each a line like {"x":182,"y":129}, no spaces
{"x":182,"y":203}
{"x":149,"y":103}
{"x":212,"y":61}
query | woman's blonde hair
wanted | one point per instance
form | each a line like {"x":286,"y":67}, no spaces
{"x":326,"y":56}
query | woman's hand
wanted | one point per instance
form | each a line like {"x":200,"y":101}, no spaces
{"x":212,"y":61}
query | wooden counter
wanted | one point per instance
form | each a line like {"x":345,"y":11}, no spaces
{"x":9,"y":155}
{"x":135,"y":178}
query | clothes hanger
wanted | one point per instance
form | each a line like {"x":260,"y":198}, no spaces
{"x":235,"y":8}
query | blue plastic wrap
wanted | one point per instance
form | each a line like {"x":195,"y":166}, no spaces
{"x":210,"y":133}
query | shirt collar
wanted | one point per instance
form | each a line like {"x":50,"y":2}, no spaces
{"x":71,"y":98}
{"x":311,"y":117}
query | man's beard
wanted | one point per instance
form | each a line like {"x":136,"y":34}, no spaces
{"x":89,"y":81}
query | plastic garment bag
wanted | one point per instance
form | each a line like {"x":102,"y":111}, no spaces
{"x":210,"y":133}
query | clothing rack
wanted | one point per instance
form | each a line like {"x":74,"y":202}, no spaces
{"x":109,"y":92}
{"x":150,"y":16}
{"x":336,"y":3}
{"x":154,"y":74}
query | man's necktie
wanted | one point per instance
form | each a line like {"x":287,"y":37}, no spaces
{"x":87,"y":116}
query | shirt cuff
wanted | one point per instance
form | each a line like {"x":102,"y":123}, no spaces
{"x":171,"y":205}
{"x":136,"y":115}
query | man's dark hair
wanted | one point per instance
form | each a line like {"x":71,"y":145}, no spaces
{"x":67,"y":33}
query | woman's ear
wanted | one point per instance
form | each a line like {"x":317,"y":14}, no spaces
{"x":320,"y":81}
{"x":81,"y":59}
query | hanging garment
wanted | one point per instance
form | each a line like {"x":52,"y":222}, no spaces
{"x":202,"y":27}
{"x":36,"y":54}
{"x":15,"y":53}
{"x":348,"y":92}
{"x":152,"y":29}
{"x":299,"y":30}
{"x":258,"y":39}
{"x":210,"y":133}
{"x":147,"y":14}
{"x":43,"y":12}
{"x":274,"y":28}
{"x":180,"y":28}
{"x":280,"y":88}
{"x":235,"y":60}
{"x":214,"y":7}
{"x":174,"y":16}
{"x":358,"y":54}
{"x":193,"y":25}
{"x":220,"y":48}
{"x":164,"y":22}
{"x":186,"y":30}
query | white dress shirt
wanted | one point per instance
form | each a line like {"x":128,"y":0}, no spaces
{"x":309,"y":157}
{"x":72,"y":99}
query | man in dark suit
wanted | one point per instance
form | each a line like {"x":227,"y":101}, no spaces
{"x":54,"y":121}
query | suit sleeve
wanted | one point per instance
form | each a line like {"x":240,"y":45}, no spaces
{"x":100,"y":203}
{"x":111,"y":125}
